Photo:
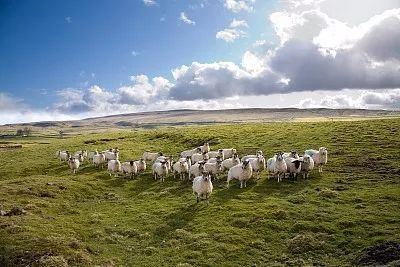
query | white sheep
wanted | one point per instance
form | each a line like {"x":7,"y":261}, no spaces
{"x":114,"y":166}
{"x":228,"y":152}
{"x":293,"y":166}
{"x":199,"y":157}
{"x":189,"y":153}
{"x":202,"y":187}
{"x":277,"y":166}
{"x":215,"y":154}
{"x":205,"y":148}
{"x":307,"y":165}
{"x":160,"y":170}
{"x":141,"y":165}
{"x":150,"y":156}
{"x":229,"y":163}
{"x":111,"y":155}
{"x":167,"y":159}
{"x":181,"y":167}
{"x":196,"y":169}
{"x":84,"y":153}
{"x":73,"y":164}
{"x":258,"y":164}
{"x":99,"y":159}
{"x":79,"y":157}
{"x":129,"y":168}
{"x":213,"y":160}
{"x":213,"y":168}
{"x":63,"y":155}
{"x":258,"y":153}
{"x":241,"y":172}
{"x":91,"y":155}
{"x":320,"y":157}
{"x":292,"y":154}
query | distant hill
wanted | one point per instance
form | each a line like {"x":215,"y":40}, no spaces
{"x":204,"y":117}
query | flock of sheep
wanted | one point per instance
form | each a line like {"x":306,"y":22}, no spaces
{"x":203,"y":165}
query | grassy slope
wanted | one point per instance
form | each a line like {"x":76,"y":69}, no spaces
{"x":99,"y":219}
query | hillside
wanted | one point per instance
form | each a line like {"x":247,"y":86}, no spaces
{"x":348,"y":215}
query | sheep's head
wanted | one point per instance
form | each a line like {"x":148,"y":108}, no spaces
{"x":160,"y":154}
{"x":206,"y":176}
{"x":131,"y":162}
{"x":245,"y":164}
{"x":279,"y":156}
{"x":235,"y":156}
{"x":294,"y":154}
{"x":220,"y":151}
{"x":233,"y":150}
{"x":206,"y":156}
{"x":259,"y":152}
{"x":198,"y":149}
{"x":306,"y":158}
{"x":206,"y":144}
{"x":323,"y":150}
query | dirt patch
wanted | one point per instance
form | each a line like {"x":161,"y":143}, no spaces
{"x":382,"y":253}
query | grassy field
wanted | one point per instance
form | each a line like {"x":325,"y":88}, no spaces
{"x":93,"y":219}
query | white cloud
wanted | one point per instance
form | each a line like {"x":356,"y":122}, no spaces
{"x":149,"y":2}
{"x":238,"y":23}
{"x":183,"y":17}
{"x":135,"y":53}
{"x":233,"y":32}
{"x":239,"y":5}
{"x":68,"y":19}
{"x":230,"y":35}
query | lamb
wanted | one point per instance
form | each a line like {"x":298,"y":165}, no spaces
{"x":63,"y":155}
{"x":202,"y":186}
{"x":141,"y":165}
{"x":189,"y":153}
{"x":111,"y":155}
{"x":293,"y":154}
{"x":205,"y":148}
{"x":114,"y":166}
{"x":99,"y":159}
{"x":258,"y":165}
{"x":277,"y":166}
{"x":228,"y":152}
{"x":320,"y":157}
{"x":258,"y":153}
{"x":181,"y":167}
{"x":213,"y":168}
{"x":241,"y":172}
{"x":214,"y":154}
{"x":307,"y":165}
{"x":293,"y":166}
{"x":196,"y":169}
{"x":149,"y":156}
{"x":73,"y":164}
{"x":160,"y":170}
{"x":129,"y":167}
{"x":229,"y":163}
{"x":199,"y":157}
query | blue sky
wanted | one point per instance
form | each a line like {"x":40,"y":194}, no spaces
{"x":50,"y":45}
{"x":75,"y":59}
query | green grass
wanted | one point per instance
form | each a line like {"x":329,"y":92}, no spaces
{"x":93,"y":219}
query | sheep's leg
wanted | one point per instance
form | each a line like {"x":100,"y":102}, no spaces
{"x":241,"y":184}
{"x":245,"y":183}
